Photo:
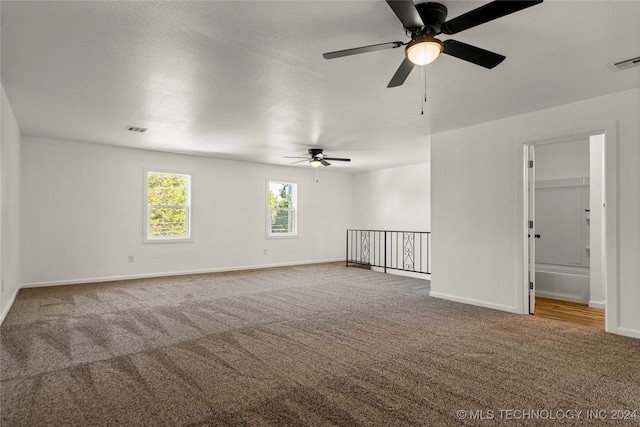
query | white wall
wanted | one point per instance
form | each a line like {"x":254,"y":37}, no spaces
{"x":82,"y":209}
{"x":562,"y":160}
{"x":9,"y":206}
{"x":477,"y":204}
{"x":393,"y":199}
{"x":561,"y":221}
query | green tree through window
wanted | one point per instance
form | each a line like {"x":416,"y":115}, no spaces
{"x":167,"y":205}
{"x":282,"y":208}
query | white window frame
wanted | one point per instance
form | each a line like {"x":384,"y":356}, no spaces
{"x":147,"y":238}
{"x":294,"y":233}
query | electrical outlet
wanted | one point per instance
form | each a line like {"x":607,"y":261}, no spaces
{"x":264,"y":251}
{"x":130,"y":258}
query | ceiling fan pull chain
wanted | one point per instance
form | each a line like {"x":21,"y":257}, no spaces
{"x":421,"y":100}
{"x":425,"y":84}
{"x":424,"y":80}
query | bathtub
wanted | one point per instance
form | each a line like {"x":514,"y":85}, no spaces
{"x":564,"y":282}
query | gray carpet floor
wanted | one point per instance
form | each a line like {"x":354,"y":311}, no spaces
{"x":310,"y":345}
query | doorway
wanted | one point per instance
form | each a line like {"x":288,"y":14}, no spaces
{"x":566,"y":227}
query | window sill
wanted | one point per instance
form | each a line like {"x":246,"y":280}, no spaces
{"x":153,"y":241}
{"x":281,"y":237}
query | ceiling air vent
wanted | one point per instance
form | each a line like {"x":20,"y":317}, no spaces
{"x":623,"y":65}
{"x":136,"y":129}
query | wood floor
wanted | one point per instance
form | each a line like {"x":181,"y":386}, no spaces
{"x":572,"y":312}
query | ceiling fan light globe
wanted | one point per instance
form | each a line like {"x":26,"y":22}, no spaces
{"x":423,"y":51}
{"x":315,"y":163}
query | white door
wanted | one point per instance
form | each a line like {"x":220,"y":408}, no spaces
{"x":532,"y":229}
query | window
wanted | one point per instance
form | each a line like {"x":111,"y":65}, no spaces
{"x":281,"y":221}
{"x":168,"y":203}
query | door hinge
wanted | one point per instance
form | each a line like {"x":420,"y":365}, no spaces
{"x":530,"y":163}
{"x":530,"y":285}
{"x":530,"y":224}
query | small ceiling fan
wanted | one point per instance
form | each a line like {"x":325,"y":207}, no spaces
{"x":424,"y":21}
{"x":317,"y":158}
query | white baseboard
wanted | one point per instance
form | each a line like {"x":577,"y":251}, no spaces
{"x":627,"y":332}
{"x":171,"y":273}
{"x":8,"y":307}
{"x":480,"y":303}
{"x":416,"y":275}
{"x":597,"y":304}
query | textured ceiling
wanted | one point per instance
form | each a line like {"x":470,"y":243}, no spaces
{"x":246,"y":80}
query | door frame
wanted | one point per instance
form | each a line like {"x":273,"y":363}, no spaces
{"x":610,"y":241}
{"x":531,"y":228}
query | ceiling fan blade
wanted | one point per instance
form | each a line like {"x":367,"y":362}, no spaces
{"x":488,"y":12}
{"x":299,"y":161}
{"x":402,"y":73}
{"x":325,"y":163}
{"x":337,"y":159}
{"x":363,"y":49}
{"x":475,"y":55}
{"x":295,"y":157}
{"x":406,"y":12}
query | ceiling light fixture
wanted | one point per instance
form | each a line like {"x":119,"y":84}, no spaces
{"x":424,"y":50}
{"x":315,"y":162}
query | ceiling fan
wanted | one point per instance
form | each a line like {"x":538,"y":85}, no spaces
{"x":424,"y":21}
{"x":317,"y":158}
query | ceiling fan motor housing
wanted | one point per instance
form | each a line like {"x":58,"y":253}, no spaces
{"x":315,"y":153}
{"x":433,"y":15}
